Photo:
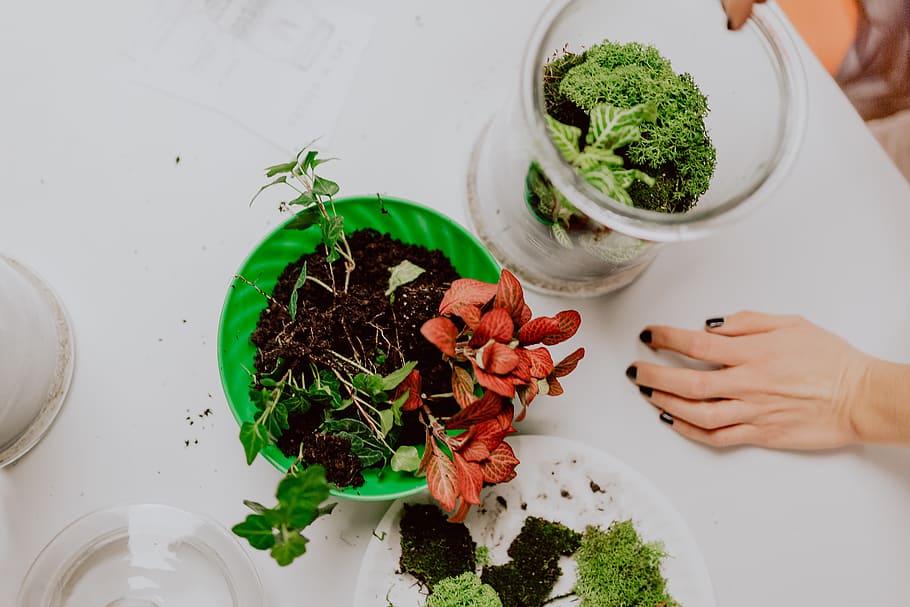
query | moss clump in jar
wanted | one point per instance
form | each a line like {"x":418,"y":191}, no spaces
{"x":630,"y":126}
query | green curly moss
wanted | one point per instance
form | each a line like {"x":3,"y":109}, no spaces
{"x":615,"y":568}
{"x":465,"y":590}
{"x":676,"y":147}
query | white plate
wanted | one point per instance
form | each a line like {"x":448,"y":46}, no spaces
{"x":555,"y":482}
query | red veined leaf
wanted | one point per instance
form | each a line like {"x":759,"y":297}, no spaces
{"x":427,"y":455}
{"x":521,"y":374}
{"x":470,"y":479}
{"x":524,"y":317}
{"x":487,"y":407}
{"x":499,"y":358}
{"x":462,"y":387}
{"x":411,"y":385}
{"x":490,"y":381}
{"x":496,"y":325}
{"x":541,"y":362}
{"x":442,"y":333}
{"x":459,"y":515}
{"x":554,"y":387}
{"x":489,"y":433}
{"x":538,"y":330}
{"x":466,"y":291}
{"x":469,"y":313}
{"x":474,"y":450}
{"x":569,"y":321}
{"x":526,"y":394}
{"x":442,"y":479}
{"x":504,"y":419}
{"x":509,"y":295}
{"x":568,"y":364}
{"x":500,"y":466}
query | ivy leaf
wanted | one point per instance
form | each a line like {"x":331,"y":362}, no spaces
{"x":402,"y":274}
{"x":370,"y":384}
{"x":324,"y":187}
{"x":292,"y":304}
{"x":406,"y":459}
{"x":386,"y":421}
{"x":394,"y":378}
{"x":289,"y":549}
{"x":257,"y":530}
{"x":332,"y":228}
{"x":254,"y":506}
{"x":303,"y":220}
{"x":565,"y":137}
{"x":254,"y":438}
{"x":307,"y":163}
{"x":305,"y":199}
{"x":277,"y":169}
{"x":282,"y":179}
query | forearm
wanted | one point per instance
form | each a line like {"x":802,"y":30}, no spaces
{"x":881,"y":409}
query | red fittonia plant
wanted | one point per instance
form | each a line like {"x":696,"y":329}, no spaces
{"x":485,"y":332}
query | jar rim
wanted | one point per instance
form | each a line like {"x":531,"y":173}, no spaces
{"x":770,"y":23}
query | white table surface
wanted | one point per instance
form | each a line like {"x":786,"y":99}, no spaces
{"x":141,"y":250}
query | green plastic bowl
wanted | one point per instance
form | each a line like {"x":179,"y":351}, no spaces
{"x":407,"y":221}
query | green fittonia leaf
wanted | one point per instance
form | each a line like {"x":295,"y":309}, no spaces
{"x":364,"y":444}
{"x":402,"y":274}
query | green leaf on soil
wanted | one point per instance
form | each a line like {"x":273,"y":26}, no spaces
{"x":292,"y":304}
{"x":402,"y":274}
{"x":364,"y":444}
{"x":391,"y":381}
{"x":405,"y":459}
{"x":386,"y":421}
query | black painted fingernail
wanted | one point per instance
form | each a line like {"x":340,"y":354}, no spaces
{"x":713,"y":323}
{"x":729,"y":25}
{"x":645,"y":336}
{"x":646,"y":390}
{"x":666,"y":418}
{"x":632,"y":372}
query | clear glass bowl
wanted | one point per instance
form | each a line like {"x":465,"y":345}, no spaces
{"x":146,"y":555}
{"x":756,"y":90}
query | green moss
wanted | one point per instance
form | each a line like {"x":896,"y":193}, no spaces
{"x":432,"y":548}
{"x":675,"y":148}
{"x":482,"y":556}
{"x":465,"y":590}
{"x":528,"y":579}
{"x":616,"y":569}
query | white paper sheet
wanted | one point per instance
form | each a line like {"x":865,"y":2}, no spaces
{"x":280,"y":67}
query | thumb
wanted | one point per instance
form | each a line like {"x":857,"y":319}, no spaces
{"x":738,"y":12}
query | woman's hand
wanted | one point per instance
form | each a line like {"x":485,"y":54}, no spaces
{"x":783,"y":382}
{"x":738,"y":12}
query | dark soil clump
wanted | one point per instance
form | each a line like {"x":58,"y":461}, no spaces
{"x":528,"y":579}
{"x":377,"y":331}
{"x":432,"y":548}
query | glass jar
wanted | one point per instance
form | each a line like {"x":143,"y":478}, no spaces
{"x":756,"y":91}
{"x":36,"y":359}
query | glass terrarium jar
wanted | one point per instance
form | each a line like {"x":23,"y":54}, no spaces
{"x":142,"y":555}
{"x":755,"y":88}
{"x":36,"y":358}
